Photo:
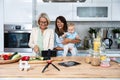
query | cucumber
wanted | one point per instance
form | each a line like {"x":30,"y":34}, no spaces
{"x":37,"y":58}
{"x":17,"y":56}
{"x":13,"y":54}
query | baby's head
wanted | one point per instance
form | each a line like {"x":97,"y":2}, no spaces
{"x":71,"y":27}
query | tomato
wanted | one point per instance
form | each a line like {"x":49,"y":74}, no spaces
{"x":25,"y":58}
{"x":5,"y":57}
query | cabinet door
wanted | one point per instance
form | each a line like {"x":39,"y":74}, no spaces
{"x":18,"y":11}
{"x":115,"y":11}
{"x":92,"y":12}
{"x":54,"y":10}
{"x":116,"y":1}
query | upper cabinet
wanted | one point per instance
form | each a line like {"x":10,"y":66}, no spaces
{"x":115,"y":1}
{"x":92,"y":12}
{"x":17,"y":11}
{"x":116,"y":10}
{"x":54,"y":10}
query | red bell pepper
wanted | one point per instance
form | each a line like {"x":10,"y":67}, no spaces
{"x":25,"y":58}
{"x":6,"y":57}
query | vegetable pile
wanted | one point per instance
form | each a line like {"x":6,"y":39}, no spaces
{"x":28,"y":58}
{"x":10,"y":56}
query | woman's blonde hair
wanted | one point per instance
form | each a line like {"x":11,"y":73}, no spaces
{"x":43,"y":15}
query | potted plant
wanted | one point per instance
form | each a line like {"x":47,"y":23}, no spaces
{"x":116,"y":32}
{"x":92,"y":32}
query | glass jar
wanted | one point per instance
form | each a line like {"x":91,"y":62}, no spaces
{"x":96,"y":45}
{"x":88,"y":59}
{"x":105,"y":62}
{"x":89,"y":56}
{"x":86,"y":42}
{"x":95,"y":61}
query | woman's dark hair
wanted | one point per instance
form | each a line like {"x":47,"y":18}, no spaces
{"x":62,"y":19}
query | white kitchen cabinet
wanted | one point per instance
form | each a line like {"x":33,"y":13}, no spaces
{"x":115,"y":11}
{"x":54,"y":10}
{"x":92,"y":12}
{"x":1,"y":25}
{"x":17,"y":11}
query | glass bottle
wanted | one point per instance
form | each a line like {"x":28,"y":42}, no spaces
{"x":96,"y":45}
{"x":96,"y":55}
{"x":86,"y":42}
{"x":102,"y":52}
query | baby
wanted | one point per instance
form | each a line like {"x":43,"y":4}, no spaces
{"x":71,"y":34}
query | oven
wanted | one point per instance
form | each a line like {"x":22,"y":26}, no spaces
{"x":16,"y":38}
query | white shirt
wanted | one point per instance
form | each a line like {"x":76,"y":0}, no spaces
{"x":48,"y":38}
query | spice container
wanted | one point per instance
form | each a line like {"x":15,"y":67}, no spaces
{"x":105,"y":61}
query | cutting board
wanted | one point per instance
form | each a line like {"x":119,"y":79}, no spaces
{"x":44,"y":61}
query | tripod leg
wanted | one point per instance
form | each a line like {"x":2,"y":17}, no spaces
{"x":56,"y":67}
{"x":45,"y":67}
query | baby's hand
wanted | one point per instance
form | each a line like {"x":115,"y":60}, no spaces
{"x":77,"y":37}
{"x":66,"y":41}
{"x":64,"y":35}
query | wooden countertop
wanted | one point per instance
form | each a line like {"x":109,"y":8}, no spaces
{"x":80,"y":71}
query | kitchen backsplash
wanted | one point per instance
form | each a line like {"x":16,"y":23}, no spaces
{"x":83,"y":27}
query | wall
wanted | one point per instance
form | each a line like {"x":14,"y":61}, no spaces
{"x":1,"y":25}
{"x":82,"y":27}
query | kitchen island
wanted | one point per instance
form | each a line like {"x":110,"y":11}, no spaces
{"x":83,"y":70}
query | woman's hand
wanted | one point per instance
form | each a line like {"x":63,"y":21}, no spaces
{"x":36,"y":49}
{"x":58,"y":48}
{"x":66,"y":41}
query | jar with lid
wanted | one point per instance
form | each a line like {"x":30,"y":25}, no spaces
{"x":95,"y":61}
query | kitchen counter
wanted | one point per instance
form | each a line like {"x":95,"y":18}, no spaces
{"x":83,"y":70}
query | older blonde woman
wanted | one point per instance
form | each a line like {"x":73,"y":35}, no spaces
{"x":41,"y":37}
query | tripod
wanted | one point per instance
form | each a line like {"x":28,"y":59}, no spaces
{"x":48,"y":63}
